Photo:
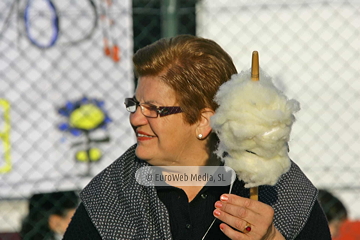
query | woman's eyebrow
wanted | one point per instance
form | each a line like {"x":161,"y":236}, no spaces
{"x":151,"y":102}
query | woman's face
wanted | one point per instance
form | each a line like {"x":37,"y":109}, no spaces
{"x":59,"y":224}
{"x":335,"y":226}
{"x":167,"y":140}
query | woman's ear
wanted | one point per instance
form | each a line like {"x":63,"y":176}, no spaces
{"x":204,"y":129}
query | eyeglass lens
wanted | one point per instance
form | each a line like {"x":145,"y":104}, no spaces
{"x":130,"y":105}
{"x":150,"y":110}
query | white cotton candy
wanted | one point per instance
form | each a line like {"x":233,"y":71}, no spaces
{"x":254,"y":116}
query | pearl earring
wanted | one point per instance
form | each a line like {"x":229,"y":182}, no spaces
{"x":200,"y":136}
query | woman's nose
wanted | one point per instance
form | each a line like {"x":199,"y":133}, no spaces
{"x":137,"y":118}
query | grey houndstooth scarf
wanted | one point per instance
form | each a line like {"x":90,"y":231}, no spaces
{"x":121,"y":208}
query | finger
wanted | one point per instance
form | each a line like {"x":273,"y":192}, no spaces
{"x":237,"y":211}
{"x":235,"y":222}
{"x":255,"y":206}
{"x":231,"y":233}
{"x":260,"y":219}
{"x":238,"y":216}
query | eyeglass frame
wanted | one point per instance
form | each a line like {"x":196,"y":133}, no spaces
{"x":161,"y":111}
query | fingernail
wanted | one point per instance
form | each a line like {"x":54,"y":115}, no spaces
{"x":221,"y":227}
{"x":218,"y":204}
{"x":224,"y":198}
{"x":216,"y":212}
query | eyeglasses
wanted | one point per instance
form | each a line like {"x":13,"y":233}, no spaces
{"x":149,"y":110}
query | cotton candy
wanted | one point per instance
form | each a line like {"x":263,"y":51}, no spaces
{"x":253,"y":122}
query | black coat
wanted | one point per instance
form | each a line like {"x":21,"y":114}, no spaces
{"x":115,"y":206}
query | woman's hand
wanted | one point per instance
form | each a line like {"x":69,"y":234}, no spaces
{"x":245,"y":218}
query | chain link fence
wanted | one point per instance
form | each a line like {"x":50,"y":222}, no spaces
{"x":65,"y":69}
{"x":59,"y":59}
{"x":311,"y":50}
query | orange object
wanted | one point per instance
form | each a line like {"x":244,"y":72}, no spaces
{"x":115,"y":53}
{"x":111,"y":48}
{"x":349,"y":230}
{"x":107,"y":51}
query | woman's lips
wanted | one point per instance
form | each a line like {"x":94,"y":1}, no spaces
{"x":142,"y":136}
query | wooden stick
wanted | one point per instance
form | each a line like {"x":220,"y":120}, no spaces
{"x":254,"y":191}
{"x":255,"y":66}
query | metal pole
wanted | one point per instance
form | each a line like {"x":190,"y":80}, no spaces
{"x":169,"y":18}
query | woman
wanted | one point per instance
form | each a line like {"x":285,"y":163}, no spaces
{"x":170,"y":114}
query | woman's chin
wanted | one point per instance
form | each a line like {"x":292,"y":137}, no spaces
{"x":142,"y":154}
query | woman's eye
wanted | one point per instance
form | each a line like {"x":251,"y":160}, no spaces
{"x":150,"y":107}
{"x":154,"y":108}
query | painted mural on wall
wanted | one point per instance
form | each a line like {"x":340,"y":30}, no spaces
{"x":57,"y":87}
{"x":5,"y":157}
{"x":81,"y":118}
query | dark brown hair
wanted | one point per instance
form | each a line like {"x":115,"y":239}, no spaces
{"x":35,"y":225}
{"x":194,"y":67}
{"x":334,"y":209}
